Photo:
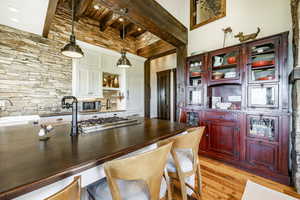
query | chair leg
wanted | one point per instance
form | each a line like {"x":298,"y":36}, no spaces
{"x":199,"y":179}
{"x":183,"y":188}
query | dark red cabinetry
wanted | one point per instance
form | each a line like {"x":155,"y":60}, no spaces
{"x":240,"y":95}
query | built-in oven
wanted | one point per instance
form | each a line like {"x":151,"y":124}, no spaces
{"x":90,"y":106}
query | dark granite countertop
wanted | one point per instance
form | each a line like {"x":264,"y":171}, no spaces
{"x":28,"y":164}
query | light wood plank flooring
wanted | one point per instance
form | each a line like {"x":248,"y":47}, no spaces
{"x":224,"y":182}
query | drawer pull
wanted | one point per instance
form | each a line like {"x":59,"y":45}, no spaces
{"x":59,"y":119}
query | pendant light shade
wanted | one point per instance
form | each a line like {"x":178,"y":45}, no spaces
{"x":123,"y":62}
{"x":71,"y":49}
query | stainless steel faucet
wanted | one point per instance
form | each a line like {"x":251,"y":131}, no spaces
{"x":74,"y":106}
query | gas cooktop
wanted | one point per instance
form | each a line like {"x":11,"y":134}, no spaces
{"x":99,"y":124}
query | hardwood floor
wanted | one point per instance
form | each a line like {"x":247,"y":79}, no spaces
{"x":224,"y":182}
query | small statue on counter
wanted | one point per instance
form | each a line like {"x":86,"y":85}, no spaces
{"x":43,"y":133}
{"x":243,"y":38}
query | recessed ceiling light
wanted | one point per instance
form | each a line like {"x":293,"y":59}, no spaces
{"x":139,"y":29}
{"x":121,"y":19}
{"x":14,"y":20}
{"x":97,"y":7}
{"x":12,"y":9}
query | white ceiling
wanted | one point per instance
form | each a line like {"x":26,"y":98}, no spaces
{"x":27,"y":15}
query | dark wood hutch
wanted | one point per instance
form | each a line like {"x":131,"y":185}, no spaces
{"x":240,"y":93}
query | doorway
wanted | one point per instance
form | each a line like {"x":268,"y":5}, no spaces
{"x":166,"y":94}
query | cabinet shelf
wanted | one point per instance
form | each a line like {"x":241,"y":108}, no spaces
{"x":264,"y":52}
{"x":263,"y":67}
{"x":224,"y":66}
{"x":108,"y":88}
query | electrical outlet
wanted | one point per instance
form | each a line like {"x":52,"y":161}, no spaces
{"x":2,"y":103}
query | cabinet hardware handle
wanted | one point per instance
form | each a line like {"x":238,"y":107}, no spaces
{"x":59,"y":119}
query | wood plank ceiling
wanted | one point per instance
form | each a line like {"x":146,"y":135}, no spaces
{"x":106,"y":17}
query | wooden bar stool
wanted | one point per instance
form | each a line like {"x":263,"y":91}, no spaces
{"x":139,"y":177}
{"x":184,"y":163}
{"x":71,"y":192}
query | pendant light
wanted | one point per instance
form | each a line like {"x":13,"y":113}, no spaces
{"x":123,"y":62}
{"x":71,"y":49}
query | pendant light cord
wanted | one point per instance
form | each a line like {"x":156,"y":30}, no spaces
{"x":72,"y":17}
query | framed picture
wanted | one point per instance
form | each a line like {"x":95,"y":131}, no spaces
{"x":206,"y":11}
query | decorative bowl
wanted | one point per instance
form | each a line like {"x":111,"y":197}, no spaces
{"x":218,"y":75}
{"x":231,"y":60}
{"x":263,"y":63}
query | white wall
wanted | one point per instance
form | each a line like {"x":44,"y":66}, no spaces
{"x":272,"y":16}
{"x":157,"y":65}
{"x":178,"y":8}
{"x":24,"y":15}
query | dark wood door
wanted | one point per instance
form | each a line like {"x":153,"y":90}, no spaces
{"x":163,"y":95}
{"x":223,"y":138}
{"x":262,"y":155}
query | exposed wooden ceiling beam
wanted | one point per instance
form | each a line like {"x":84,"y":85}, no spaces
{"x":82,"y":6}
{"x":155,"y":49}
{"x":49,"y":17}
{"x":130,"y":29}
{"x":153,"y":17}
{"x":108,"y":20}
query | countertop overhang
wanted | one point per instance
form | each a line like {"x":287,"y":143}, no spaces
{"x":28,"y":164}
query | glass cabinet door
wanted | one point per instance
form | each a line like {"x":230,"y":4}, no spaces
{"x":263,"y":61}
{"x":225,"y":65}
{"x":263,"y":127}
{"x":263,"y":95}
{"x":193,"y":118}
{"x":194,"y":80}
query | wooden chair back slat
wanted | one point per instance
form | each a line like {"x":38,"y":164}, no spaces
{"x":71,"y":192}
{"x":148,"y":167}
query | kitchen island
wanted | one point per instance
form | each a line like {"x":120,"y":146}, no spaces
{"x":27,"y":164}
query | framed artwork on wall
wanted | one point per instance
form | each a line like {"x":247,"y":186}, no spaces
{"x":206,"y":11}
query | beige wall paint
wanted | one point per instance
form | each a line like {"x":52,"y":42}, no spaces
{"x":157,"y":65}
{"x":272,"y":16}
{"x":178,"y":8}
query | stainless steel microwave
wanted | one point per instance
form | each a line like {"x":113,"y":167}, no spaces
{"x":90,"y":106}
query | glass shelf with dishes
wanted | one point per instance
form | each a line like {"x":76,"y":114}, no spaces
{"x":262,"y":63}
{"x":225,"y":66}
{"x":263,"y":127}
{"x":194,"y":81}
{"x":225,"y":97}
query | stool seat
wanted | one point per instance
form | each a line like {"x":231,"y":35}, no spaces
{"x":185,"y":157}
{"x":129,"y":190}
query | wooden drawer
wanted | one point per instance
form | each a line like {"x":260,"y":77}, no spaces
{"x":224,"y":116}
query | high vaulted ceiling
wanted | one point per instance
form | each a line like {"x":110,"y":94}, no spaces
{"x":109,"y":23}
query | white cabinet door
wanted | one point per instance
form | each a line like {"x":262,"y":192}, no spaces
{"x":83,"y":82}
{"x":94,"y":83}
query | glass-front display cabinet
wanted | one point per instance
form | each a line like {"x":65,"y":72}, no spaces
{"x":192,"y":118}
{"x":195,"y":77}
{"x":224,"y":65}
{"x":263,"y":96}
{"x":263,"y":61}
{"x":263,"y":127}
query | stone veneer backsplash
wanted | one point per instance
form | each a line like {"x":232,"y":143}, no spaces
{"x":34,"y":75}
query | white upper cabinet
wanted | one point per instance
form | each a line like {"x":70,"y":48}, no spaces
{"x":87,"y":79}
